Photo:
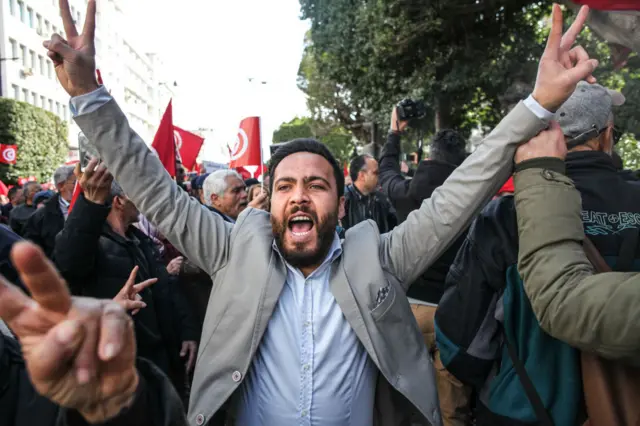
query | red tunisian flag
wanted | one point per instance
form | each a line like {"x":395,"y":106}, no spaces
{"x":247,"y":151}
{"x":164,"y":142}
{"x":188,"y":145}
{"x":9,"y":154}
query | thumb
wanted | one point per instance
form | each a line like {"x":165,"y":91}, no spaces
{"x":554,"y":126}
{"x":58,"y":45}
{"x":183,"y":352}
{"x":582,"y":71}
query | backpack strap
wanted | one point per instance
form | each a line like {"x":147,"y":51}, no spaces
{"x":532,"y":394}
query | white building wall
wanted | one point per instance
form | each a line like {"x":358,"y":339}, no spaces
{"x":128,"y":73}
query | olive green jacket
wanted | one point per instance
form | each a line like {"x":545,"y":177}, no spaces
{"x":594,"y":313}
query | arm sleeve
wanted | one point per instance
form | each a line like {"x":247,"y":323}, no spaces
{"x":394,"y":185}
{"x":77,"y":244}
{"x":413,"y":246}
{"x":594,"y":313}
{"x":201,"y":235}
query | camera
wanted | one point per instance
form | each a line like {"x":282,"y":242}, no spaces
{"x":409,"y":110}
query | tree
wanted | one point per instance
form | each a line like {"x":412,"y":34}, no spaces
{"x":339,"y":141}
{"x":460,"y":56}
{"x":41,"y":138}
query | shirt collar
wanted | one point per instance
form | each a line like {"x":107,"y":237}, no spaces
{"x":63,"y":202}
{"x":334,"y":252}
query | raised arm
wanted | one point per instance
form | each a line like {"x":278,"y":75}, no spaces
{"x":413,"y":246}
{"x":201,"y":236}
{"x":594,"y":313}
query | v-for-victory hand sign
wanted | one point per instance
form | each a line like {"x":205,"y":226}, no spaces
{"x":75,"y":57}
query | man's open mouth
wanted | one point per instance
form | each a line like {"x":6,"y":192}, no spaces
{"x":300,"y":225}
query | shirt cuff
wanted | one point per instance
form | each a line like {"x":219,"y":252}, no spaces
{"x":538,"y":109}
{"x":89,"y":102}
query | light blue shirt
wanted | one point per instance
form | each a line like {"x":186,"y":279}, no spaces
{"x":310,"y":368}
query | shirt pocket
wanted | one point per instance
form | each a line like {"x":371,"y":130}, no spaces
{"x":387,"y":303}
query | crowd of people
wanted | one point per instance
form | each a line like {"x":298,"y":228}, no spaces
{"x":443,"y":297}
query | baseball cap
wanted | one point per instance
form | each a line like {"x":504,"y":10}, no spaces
{"x":200,"y":181}
{"x":586,"y":113}
{"x":42,"y":196}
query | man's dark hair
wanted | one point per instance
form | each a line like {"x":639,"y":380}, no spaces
{"x":357,"y":165}
{"x":306,"y":145}
{"x":27,"y":188}
{"x":13,"y":191}
{"x":448,"y":146}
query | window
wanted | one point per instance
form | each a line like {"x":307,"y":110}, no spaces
{"x":12,"y":7}
{"x":47,"y":28}
{"x":58,"y":110}
{"x":50,"y":70}
{"x":41,"y":64}
{"x":14,"y":48}
{"x":16,"y":92}
{"x":50,"y":105}
{"x":25,"y":95}
{"x":79,"y":18}
{"x":32,"y":54}
{"x":23,"y":15}
{"x":39,"y":22}
{"x":43,"y":102}
{"x":64,"y":113}
{"x":23,"y":53}
{"x":34,"y":99}
{"x":30,"y":13}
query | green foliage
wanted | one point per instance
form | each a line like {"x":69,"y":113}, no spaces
{"x":460,"y":56}
{"x":336,"y":138}
{"x":41,"y":138}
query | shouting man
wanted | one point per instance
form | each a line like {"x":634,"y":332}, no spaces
{"x":301,"y":330}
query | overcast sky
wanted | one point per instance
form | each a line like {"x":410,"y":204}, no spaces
{"x":212,"y":48}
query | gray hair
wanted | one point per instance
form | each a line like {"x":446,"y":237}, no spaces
{"x":62,"y":174}
{"x":116,"y":190}
{"x":216,"y":183}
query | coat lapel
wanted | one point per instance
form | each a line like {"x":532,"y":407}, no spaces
{"x":343,"y":294}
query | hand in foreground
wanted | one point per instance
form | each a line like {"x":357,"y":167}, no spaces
{"x":261,"y":201}
{"x":174,"y":267}
{"x":79,"y":352}
{"x":129,"y":296}
{"x":95,"y":182}
{"x":548,"y":143}
{"x":189,"y":350}
{"x":562,"y":67}
{"x":75,"y":58}
{"x":396,"y":125}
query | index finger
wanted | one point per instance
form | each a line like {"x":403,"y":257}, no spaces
{"x":67,"y":20}
{"x":555,"y":35}
{"x":141,"y":286}
{"x":132,"y":279}
{"x":89,"y":30}
{"x":575,"y":29}
{"x":42,"y":279}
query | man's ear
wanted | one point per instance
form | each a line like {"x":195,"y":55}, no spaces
{"x":341,"y":210}
{"x":606,"y":141}
{"x":214,"y":199}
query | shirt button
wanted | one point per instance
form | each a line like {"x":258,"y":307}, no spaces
{"x":304,"y":413}
{"x":307,"y":323}
{"x":236,"y":376}
{"x":306,"y":367}
{"x":200,"y":419}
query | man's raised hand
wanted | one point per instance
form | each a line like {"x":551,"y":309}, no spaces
{"x":129,"y":296}
{"x":561,"y":66}
{"x":80,"y":352}
{"x":75,"y":57}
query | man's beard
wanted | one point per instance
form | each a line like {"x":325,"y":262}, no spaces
{"x":325,"y":228}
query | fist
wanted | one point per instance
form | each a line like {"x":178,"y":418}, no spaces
{"x":549,"y":143}
{"x":396,"y":125}
{"x":95,"y":182}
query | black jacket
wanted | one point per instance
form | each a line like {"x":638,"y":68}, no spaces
{"x":19,"y":216}
{"x":375,"y":206}
{"x":407,"y":195}
{"x":44,"y":225}
{"x":96,"y":262}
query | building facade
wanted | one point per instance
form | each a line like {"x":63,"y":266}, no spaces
{"x":28,"y":75}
